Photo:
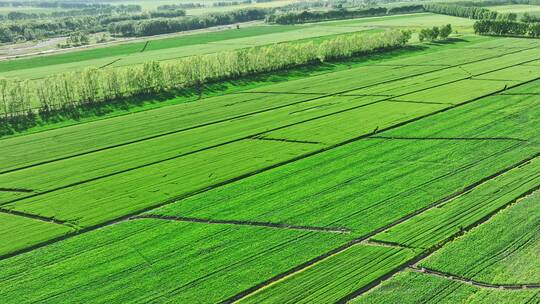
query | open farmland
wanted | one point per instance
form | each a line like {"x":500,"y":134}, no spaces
{"x":130,"y":53}
{"x":409,"y":177}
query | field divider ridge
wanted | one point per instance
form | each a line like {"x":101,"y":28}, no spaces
{"x":460,"y":279}
{"x":269,"y":109}
{"x":17,"y":190}
{"x":242,"y":223}
{"x":38,"y":218}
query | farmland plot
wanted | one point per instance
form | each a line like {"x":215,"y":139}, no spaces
{"x":505,"y":250}
{"x":154,"y":260}
{"x":281,"y":193}
{"x":21,"y":232}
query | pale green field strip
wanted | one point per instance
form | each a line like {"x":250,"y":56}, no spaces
{"x":411,"y":287}
{"x":503,"y":251}
{"x":152,"y":261}
{"x":333,"y":278}
{"x":348,"y":125}
{"x":77,"y":139}
{"x":416,"y":20}
{"x":20,"y":232}
{"x":129,"y":157}
{"x":290,"y":33}
{"x":435,"y":226}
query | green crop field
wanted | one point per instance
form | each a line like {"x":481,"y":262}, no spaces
{"x":403,"y":175}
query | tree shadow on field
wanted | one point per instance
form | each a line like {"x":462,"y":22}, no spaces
{"x":447,"y":41}
{"x":93,"y":111}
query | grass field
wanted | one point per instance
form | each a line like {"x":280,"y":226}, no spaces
{"x":409,"y":177}
{"x":201,"y":43}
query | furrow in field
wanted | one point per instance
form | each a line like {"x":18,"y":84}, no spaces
{"x":242,"y":223}
{"x":453,"y":277}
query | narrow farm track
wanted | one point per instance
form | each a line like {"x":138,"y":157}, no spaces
{"x":366,"y":238}
{"x":229,"y":181}
{"x":430,"y":251}
{"x":460,"y":279}
{"x":242,"y":223}
{"x":250,"y":136}
{"x":282,"y":106}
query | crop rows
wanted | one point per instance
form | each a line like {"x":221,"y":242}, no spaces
{"x":276,"y":192}
{"x":494,"y":263}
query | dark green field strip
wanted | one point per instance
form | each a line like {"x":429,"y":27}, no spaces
{"x":520,"y":73}
{"x":434,"y":226}
{"x":333,"y":278}
{"x":170,"y":260}
{"x":21,"y":232}
{"x":503,"y":251}
{"x":135,"y":47}
{"x":411,"y":287}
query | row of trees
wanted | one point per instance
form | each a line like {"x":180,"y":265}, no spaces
{"x":435,"y":33}
{"x":91,"y":86}
{"x":316,"y":16}
{"x":506,"y":28}
{"x":467,"y":12}
{"x":90,"y":11}
{"x":45,"y":28}
{"x":163,"y":26}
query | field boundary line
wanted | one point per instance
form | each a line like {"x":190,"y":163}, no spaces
{"x":419,"y":102}
{"x":269,"y":109}
{"x":18,"y":190}
{"x":367,"y":237}
{"x":451,"y":138}
{"x":38,"y":218}
{"x":242,"y":223}
{"x":110,"y":63}
{"x":286,"y":140}
{"x":457,"y":278}
{"x":433,"y":249}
